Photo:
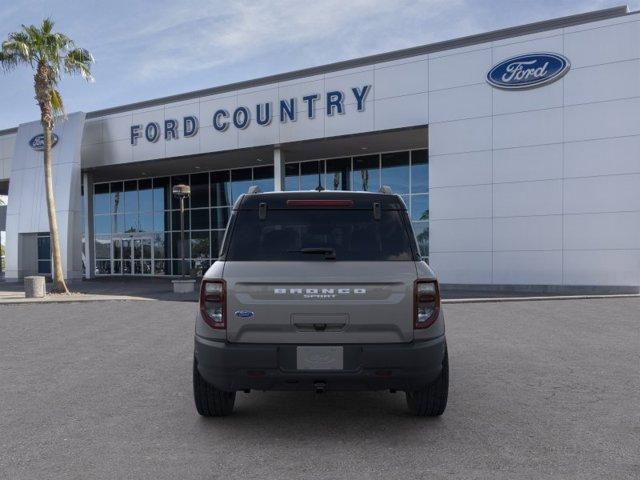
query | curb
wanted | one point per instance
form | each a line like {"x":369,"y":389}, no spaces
{"x":30,"y":301}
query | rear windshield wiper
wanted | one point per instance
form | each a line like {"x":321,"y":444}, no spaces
{"x":329,"y":253}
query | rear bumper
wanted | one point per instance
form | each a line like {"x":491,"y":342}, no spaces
{"x":405,"y":366}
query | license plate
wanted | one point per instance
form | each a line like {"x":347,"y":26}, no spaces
{"x":320,"y":358}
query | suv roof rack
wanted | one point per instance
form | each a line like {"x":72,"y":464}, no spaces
{"x":386,"y":190}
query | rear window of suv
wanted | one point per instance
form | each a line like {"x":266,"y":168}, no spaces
{"x":316,"y":234}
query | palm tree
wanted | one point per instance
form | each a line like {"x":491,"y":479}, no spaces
{"x":49,"y":54}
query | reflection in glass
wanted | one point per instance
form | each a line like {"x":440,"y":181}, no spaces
{"x":161,"y":194}
{"x":103,"y":267}
{"x":421,"y":230}
{"x":291,"y":177}
{"x":419,"y":171}
{"x":130,"y":222}
{"x":220,"y":188}
{"x":103,"y":247}
{"x":420,"y":207}
{"x":161,"y":267}
{"x":145,"y":222}
{"x":366,"y":173}
{"x":216,"y":242}
{"x":309,"y":178}
{"x":263,"y":178}
{"x":117,"y":223}
{"x":117,"y":248}
{"x":102,"y":224}
{"x":200,"y":245}
{"x":117,"y":268}
{"x":338,"y":174}
{"x":200,"y":190}
{"x":161,"y":221}
{"x":395,"y":171}
{"x":101,"y":198}
{"x":176,"y":220}
{"x":145,"y":195}
{"x":131,"y":196}
{"x":200,"y":219}
{"x":159,"y":245}
{"x":240,"y":182}
{"x":116,"y":197}
{"x":126,"y":248}
{"x":219,"y":218}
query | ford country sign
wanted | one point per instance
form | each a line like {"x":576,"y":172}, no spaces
{"x":37,"y":142}
{"x":528,"y":71}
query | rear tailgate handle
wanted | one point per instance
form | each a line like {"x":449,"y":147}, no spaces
{"x":319,"y":322}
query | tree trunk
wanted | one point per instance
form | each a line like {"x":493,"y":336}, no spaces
{"x":43,"y":97}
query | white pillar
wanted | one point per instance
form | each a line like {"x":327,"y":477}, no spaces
{"x":87,"y":204}
{"x":278,"y":170}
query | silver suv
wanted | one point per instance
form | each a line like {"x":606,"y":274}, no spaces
{"x":320,"y":291}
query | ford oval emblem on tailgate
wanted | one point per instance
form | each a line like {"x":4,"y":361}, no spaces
{"x":244,"y":313}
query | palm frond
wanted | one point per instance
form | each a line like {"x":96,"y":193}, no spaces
{"x":56,"y":102}
{"x":78,"y":61}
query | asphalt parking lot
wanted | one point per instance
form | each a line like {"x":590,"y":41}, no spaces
{"x":546,"y":389}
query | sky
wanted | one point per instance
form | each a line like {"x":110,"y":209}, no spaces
{"x":149,"y":49}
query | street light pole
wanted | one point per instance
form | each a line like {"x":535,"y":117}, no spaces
{"x":182,"y":192}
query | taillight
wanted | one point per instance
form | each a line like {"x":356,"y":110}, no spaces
{"x":212,"y":303}
{"x":426,"y":303}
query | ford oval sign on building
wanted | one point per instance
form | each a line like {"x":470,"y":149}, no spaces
{"x":528,"y":71}
{"x":37,"y":142}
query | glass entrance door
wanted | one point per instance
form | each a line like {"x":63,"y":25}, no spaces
{"x":132,"y":255}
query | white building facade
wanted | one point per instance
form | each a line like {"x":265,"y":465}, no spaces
{"x":516,"y":151}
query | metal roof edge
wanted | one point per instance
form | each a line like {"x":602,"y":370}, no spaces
{"x":500,"y":34}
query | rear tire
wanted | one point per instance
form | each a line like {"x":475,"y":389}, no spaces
{"x":210,"y":402}
{"x":432,"y":401}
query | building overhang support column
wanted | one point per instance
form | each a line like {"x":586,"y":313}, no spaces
{"x":278,"y":170}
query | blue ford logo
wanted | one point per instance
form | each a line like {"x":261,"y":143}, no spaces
{"x":37,"y":142}
{"x":243,"y":313}
{"x":528,"y":71}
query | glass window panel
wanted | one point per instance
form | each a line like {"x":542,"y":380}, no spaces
{"x":101,"y":198}
{"x":131,"y":196}
{"x":176,"y":222}
{"x":200,"y":219}
{"x":117,"y":268}
{"x":161,"y":267}
{"x":103,"y":267}
{"x":137,"y":249}
{"x":44,"y":267}
{"x":175,"y":245}
{"x":126,"y":267}
{"x":309,"y":175}
{"x":219,"y":218}
{"x":419,"y":171}
{"x":146,"y":267}
{"x":421,"y":230}
{"x":116,"y":197}
{"x":160,"y":242}
{"x":199,"y":190}
{"x":117,"y":223}
{"x":126,"y":248}
{"x":137,"y":268}
{"x":291,"y":176}
{"x":240,"y":182}
{"x":161,"y":221}
{"x":146,"y":222}
{"x":117,"y":248}
{"x":216,"y":242}
{"x":420,"y":207}
{"x":103,"y":247}
{"x":161,"y":194}
{"x":200,"y":245}
{"x":338,"y":174}
{"x":366,"y":173}
{"x":177,"y":180}
{"x":263,"y":178}
{"x":131,"y":222}
{"x":201,"y":265}
{"x":395,"y":171}
{"x":177,"y":267}
{"x":220,"y":188}
{"x":44,"y":247}
{"x":145,"y":195}
{"x":102,"y":224}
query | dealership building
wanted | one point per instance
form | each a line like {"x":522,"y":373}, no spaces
{"x":517,"y":153}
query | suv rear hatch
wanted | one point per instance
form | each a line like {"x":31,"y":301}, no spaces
{"x":320,"y":268}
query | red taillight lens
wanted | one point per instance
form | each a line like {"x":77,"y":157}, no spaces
{"x":213,"y":295}
{"x":426,"y":303}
